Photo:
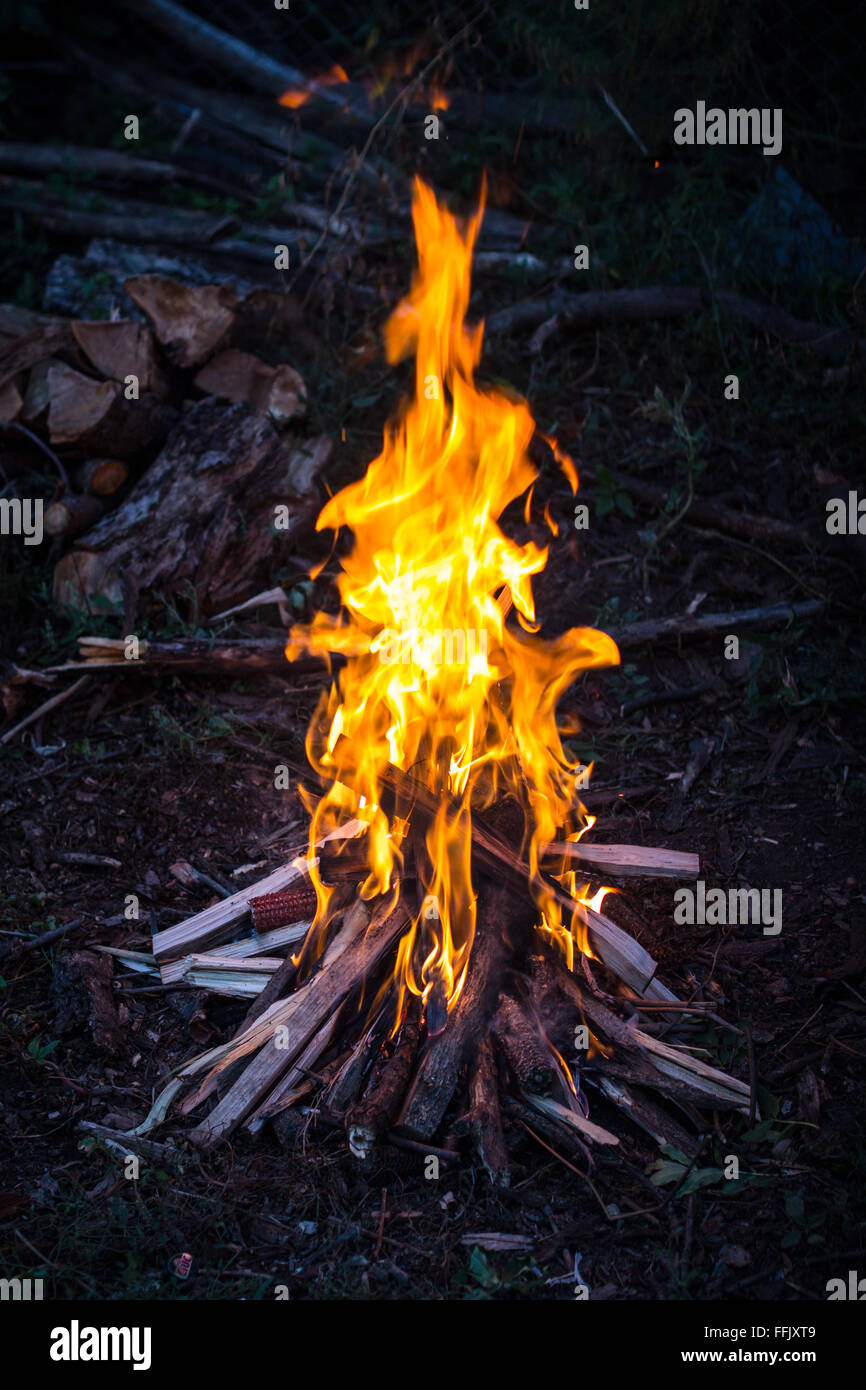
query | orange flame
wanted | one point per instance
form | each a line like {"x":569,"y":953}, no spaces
{"x":434,"y":680}
{"x":299,"y":96}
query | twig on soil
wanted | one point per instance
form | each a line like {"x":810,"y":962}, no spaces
{"x":45,"y":708}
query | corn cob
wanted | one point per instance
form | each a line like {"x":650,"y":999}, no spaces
{"x":281,"y":909}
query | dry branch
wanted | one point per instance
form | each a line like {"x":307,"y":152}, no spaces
{"x":701,"y":625}
{"x":563,"y":310}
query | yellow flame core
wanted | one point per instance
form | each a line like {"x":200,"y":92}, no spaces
{"x":434,"y":681}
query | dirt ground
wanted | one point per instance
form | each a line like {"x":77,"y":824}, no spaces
{"x":150,"y":772}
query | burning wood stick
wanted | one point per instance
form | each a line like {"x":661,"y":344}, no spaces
{"x":440,"y":1066}
{"x":286,"y":1031}
{"x":370,"y":1118}
{"x":483,"y":1120}
{"x":624,"y":956}
{"x":531,"y":1062}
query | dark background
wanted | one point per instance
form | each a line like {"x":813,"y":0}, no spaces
{"x":174,"y":769}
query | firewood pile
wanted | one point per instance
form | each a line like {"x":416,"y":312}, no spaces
{"x":164,"y":436}
{"x":526,"y":1037}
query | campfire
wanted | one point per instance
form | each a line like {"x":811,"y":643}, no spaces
{"x":452,"y":972}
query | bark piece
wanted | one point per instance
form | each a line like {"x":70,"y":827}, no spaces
{"x":189,"y":323}
{"x":82,"y":985}
{"x":239,"y":376}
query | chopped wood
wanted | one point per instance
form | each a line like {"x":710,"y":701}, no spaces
{"x":215,"y":923}
{"x":628,"y":861}
{"x":78,"y":404}
{"x":286,"y":1030}
{"x":648,"y":1116}
{"x":347,"y":1082}
{"x":281,"y":1095}
{"x":96,"y":417}
{"x":101,"y":477}
{"x":37,"y":396}
{"x":239,"y":979}
{"x":33,"y":347}
{"x":620,"y":952}
{"x":371,"y":1117}
{"x":439,"y":1069}
{"x":120,"y":349}
{"x":708,"y":1083}
{"x":587,"y":1129}
{"x":72,"y":515}
{"x":189,"y":323}
{"x":239,"y":376}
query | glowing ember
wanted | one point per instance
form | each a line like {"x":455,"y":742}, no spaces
{"x":435,"y":681}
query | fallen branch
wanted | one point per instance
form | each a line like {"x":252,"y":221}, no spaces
{"x":215,"y":46}
{"x":737,"y":523}
{"x":111,"y":165}
{"x":563,"y":310}
{"x":49,"y":705}
{"x":700,"y":625}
